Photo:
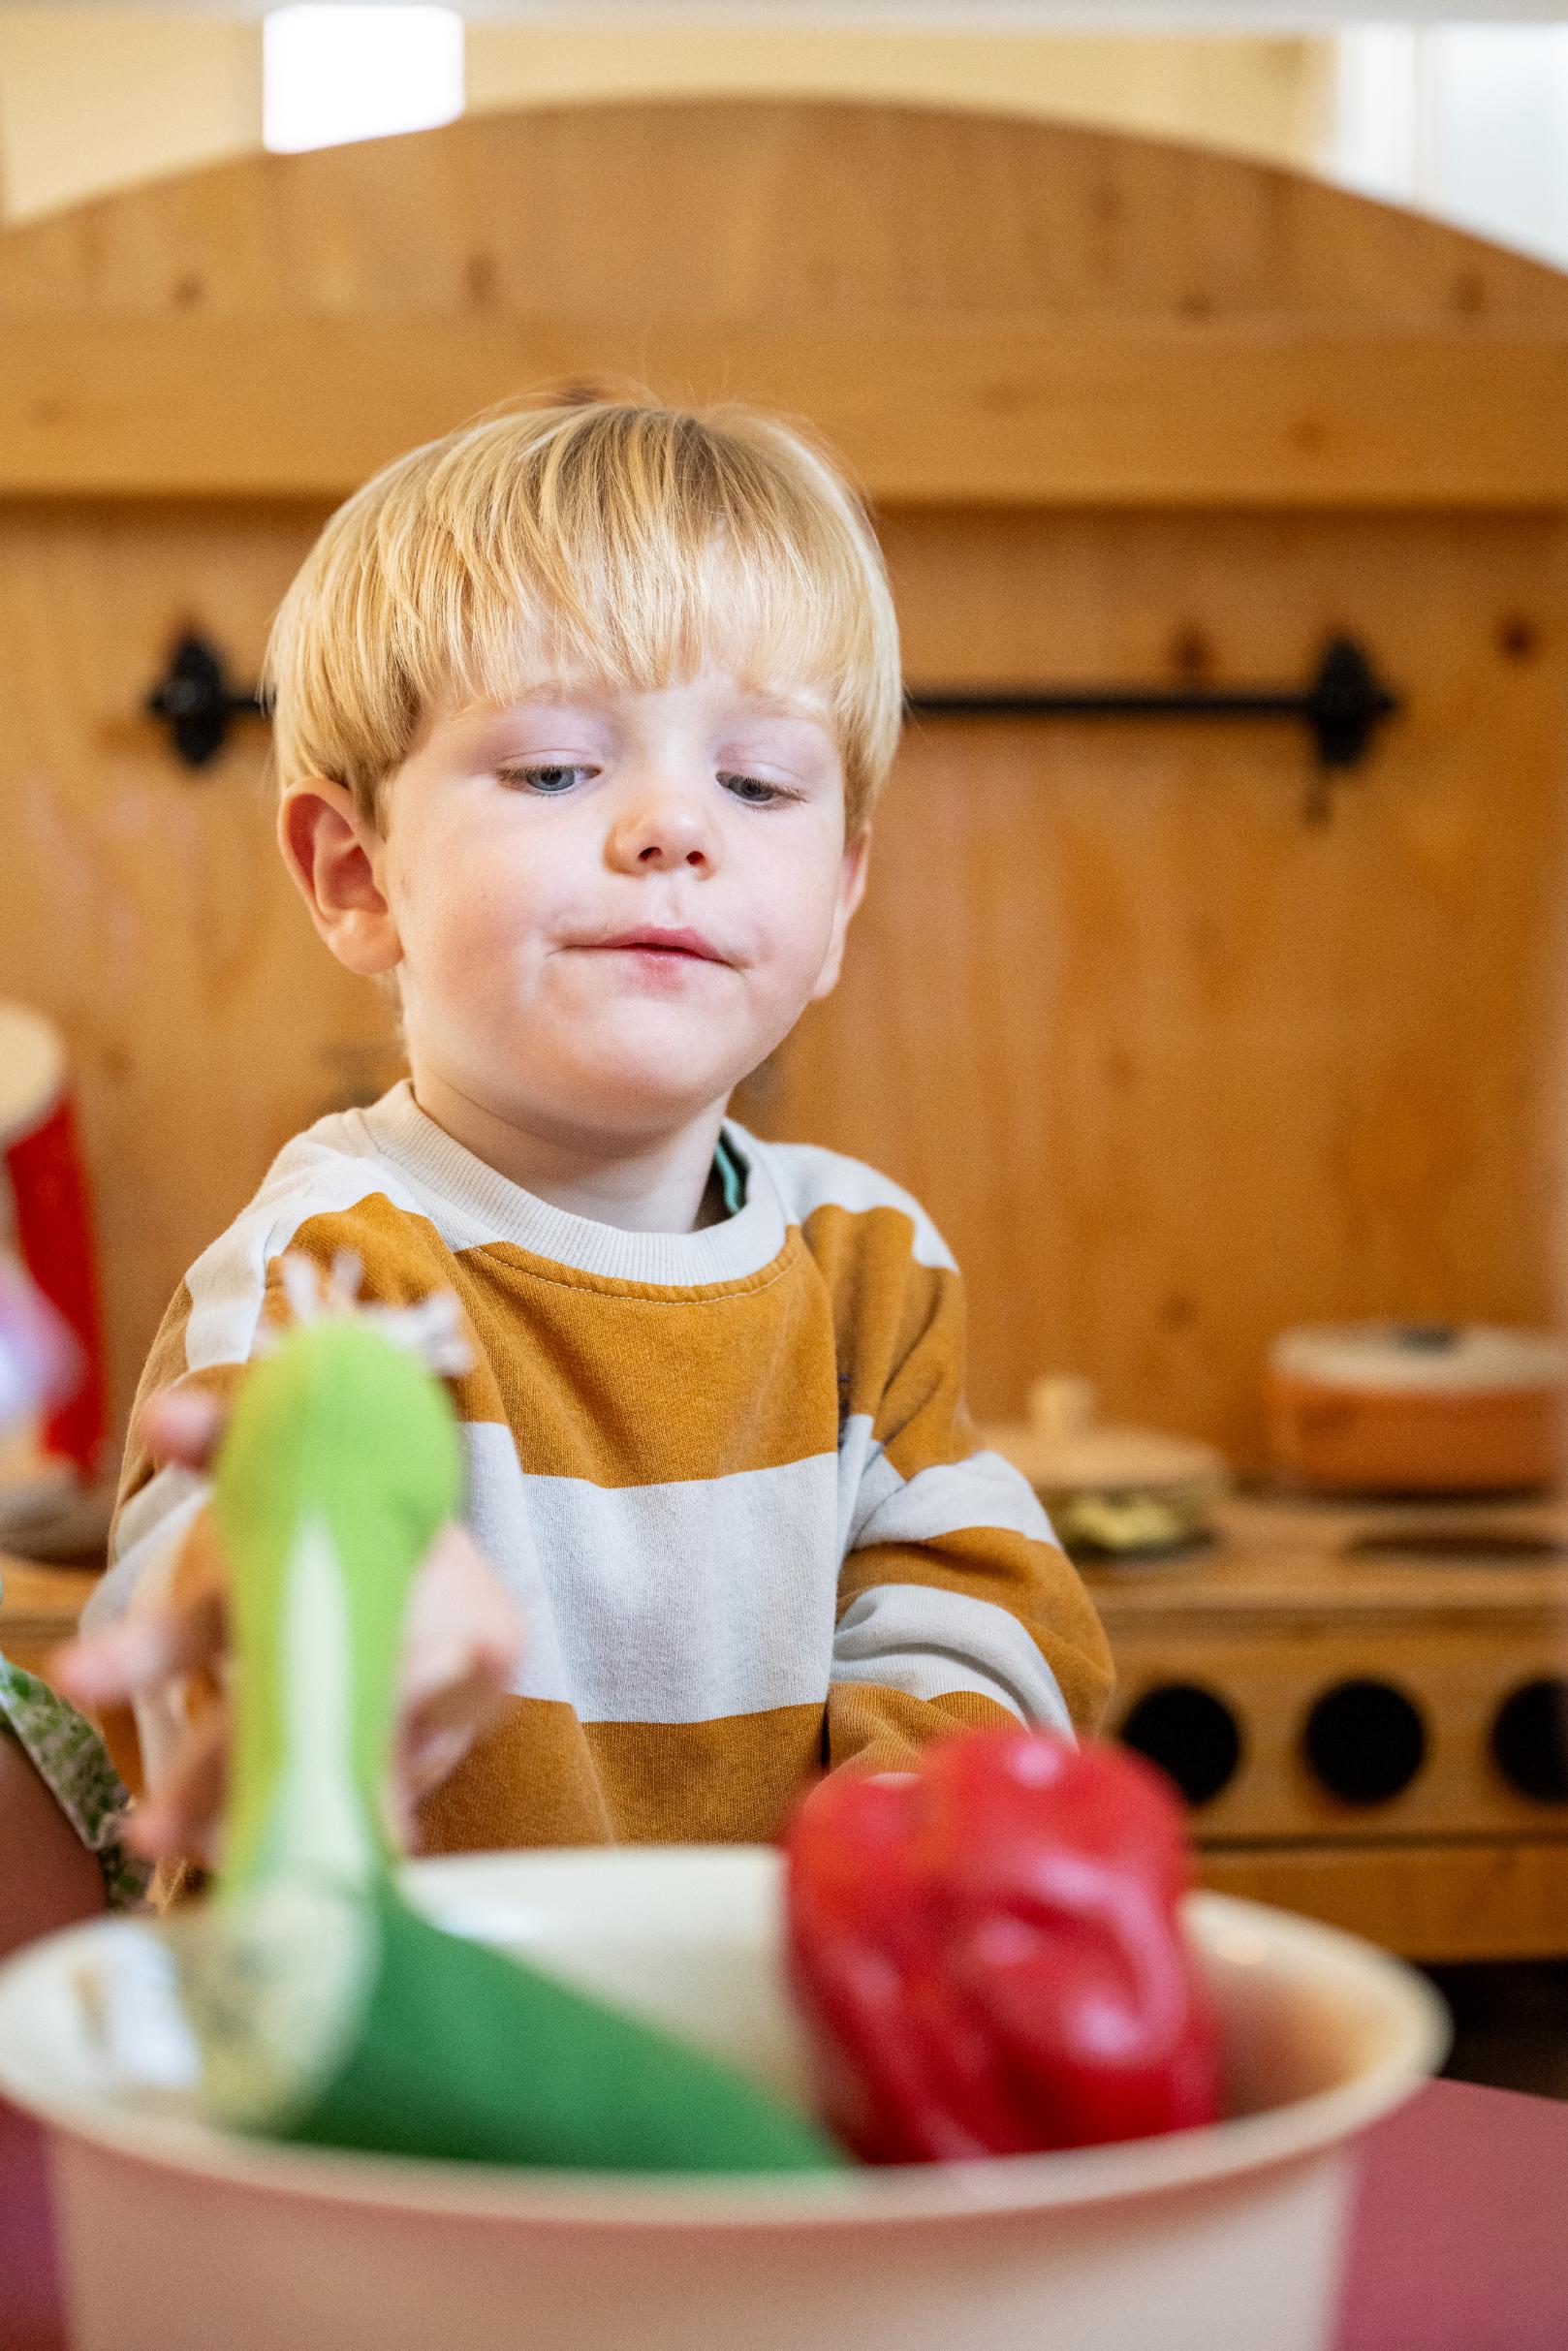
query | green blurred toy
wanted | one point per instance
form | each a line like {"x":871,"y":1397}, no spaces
{"x":328,"y":2009}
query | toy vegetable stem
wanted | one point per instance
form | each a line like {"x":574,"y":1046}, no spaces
{"x":340,"y":1467}
{"x":326,"y":2008}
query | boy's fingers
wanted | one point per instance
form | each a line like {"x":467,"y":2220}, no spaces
{"x":434,"y":1741}
{"x":182,"y":1426}
{"x":438,"y":1732}
{"x":462,"y":1624}
{"x":130,"y":1659}
{"x":178,"y":1820}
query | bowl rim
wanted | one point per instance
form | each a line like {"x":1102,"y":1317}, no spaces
{"x":1066,"y":2179}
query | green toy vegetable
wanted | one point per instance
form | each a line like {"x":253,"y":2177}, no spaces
{"x":328,"y":2009}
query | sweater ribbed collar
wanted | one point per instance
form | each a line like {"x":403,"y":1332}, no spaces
{"x":496,"y":1209}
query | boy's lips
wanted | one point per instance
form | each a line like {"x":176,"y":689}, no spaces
{"x":657,"y":941}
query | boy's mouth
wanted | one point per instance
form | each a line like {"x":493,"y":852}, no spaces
{"x":652,"y":940}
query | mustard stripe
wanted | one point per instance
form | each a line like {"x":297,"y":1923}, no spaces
{"x":544,"y":1778}
{"x":883,"y":1730}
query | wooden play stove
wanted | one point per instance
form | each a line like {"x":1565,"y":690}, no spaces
{"x":1367,"y":1708}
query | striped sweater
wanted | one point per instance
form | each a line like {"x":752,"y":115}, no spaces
{"x":728,"y":1476}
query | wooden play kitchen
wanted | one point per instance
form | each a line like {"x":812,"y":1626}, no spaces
{"x":1206,"y":984}
{"x":1363,"y":1699}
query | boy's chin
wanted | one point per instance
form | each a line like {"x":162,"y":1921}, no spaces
{"x":635,"y":1096}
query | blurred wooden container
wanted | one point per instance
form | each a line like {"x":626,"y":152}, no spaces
{"x":1415,"y":1408}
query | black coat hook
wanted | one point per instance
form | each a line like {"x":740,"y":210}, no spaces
{"x":196,"y":701}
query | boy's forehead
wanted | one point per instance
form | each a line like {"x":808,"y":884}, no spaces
{"x":728,"y":689}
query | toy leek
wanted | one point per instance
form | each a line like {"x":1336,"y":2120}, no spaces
{"x":326,"y":2008}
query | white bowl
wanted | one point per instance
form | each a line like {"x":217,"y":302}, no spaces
{"x":178,"y":2238}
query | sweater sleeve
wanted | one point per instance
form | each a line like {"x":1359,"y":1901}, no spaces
{"x":956,"y":1603}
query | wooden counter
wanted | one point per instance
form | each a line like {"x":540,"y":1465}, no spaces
{"x":39,"y":1608}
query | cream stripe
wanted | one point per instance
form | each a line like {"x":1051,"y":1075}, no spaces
{"x":865,"y":1477}
{"x":809,"y":1178}
{"x":228,"y":1282}
{"x":984,"y":1491}
{"x":929,"y":1644}
{"x":151,"y":1530}
{"x":671,"y":1603}
{"x":164,"y":1491}
{"x":141,"y":1575}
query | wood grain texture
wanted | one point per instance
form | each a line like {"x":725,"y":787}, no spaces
{"x":1438,"y":1902}
{"x":39,"y":1609}
{"x":759,"y":209}
{"x":923,"y":408}
{"x":144,"y":905}
{"x":1215,"y":1069}
{"x":971,"y":307}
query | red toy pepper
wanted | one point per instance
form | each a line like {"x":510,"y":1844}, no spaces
{"x":988,"y":1952}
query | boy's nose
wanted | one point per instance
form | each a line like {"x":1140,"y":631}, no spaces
{"x":662,"y":829}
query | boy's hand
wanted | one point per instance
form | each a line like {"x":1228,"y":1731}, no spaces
{"x":461,"y":1645}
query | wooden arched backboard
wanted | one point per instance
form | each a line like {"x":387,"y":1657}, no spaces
{"x":1171,"y":1065}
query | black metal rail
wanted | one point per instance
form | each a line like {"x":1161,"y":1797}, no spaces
{"x":1343,"y":706}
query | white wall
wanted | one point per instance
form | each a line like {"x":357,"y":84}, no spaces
{"x":94,"y":97}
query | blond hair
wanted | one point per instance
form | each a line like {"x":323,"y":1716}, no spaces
{"x":616,"y":536}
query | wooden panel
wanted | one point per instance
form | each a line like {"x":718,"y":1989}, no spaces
{"x":1212,"y":1070}
{"x":1215,"y":1069}
{"x":972,"y":307}
{"x":1438,"y":1903}
{"x":923,"y":409}
{"x":142,"y":905}
{"x":1456,"y":1671}
{"x":763,"y":210}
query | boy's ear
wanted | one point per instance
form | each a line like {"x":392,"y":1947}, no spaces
{"x":335,"y":855}
{"x":852,"y":875}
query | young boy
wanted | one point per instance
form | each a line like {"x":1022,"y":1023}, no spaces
{"x":580,"y":718}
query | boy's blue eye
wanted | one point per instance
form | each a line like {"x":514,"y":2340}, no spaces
{"x":550,"y":778}
{"x":751,"y":788}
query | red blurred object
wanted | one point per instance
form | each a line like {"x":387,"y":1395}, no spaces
{"x":988,"y":1955}
{"x":52,"y":1219}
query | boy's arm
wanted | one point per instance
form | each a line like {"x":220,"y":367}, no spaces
{"x":148,"y":1665}
{"x":62,"y":1808}
{"x":956,"y":1603}
{"x":162,"y":1552}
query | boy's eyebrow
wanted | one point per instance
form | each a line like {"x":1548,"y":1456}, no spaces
{"x":772,"y":701}
{"x":779,"y":703}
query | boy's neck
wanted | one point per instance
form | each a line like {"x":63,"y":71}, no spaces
{"x":667,"y":1185}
